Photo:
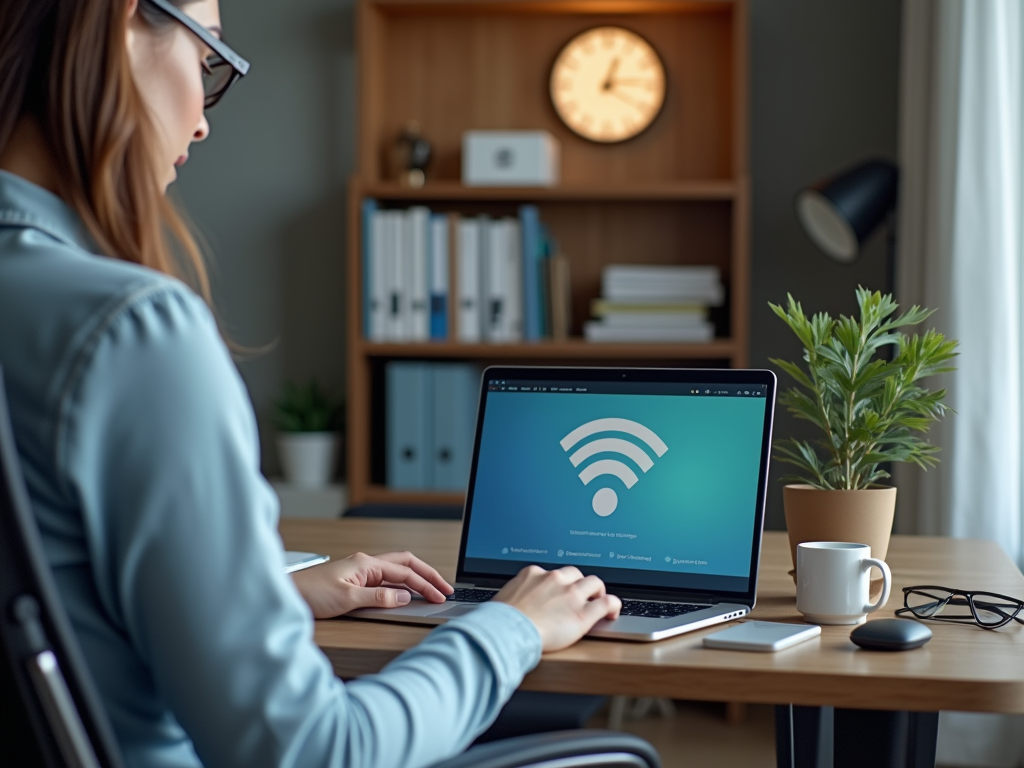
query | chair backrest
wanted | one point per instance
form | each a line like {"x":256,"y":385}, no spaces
{"x":53,"y":715}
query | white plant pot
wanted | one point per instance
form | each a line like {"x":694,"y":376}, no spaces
{"x":308,"y":458}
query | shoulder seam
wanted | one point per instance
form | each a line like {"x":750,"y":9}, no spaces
{"x":81,"y":359}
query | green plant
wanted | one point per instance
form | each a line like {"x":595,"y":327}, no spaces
{"x":308,"y":408}
{"x":869,"y":410}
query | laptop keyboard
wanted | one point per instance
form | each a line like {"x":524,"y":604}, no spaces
{"x":653,"y":610}
{"x":471,"y":595}
{"x":647,"y":609}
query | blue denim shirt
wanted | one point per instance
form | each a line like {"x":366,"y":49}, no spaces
{"x":139,"y":448}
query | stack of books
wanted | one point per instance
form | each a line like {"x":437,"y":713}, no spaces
{"x":504,"y":275}
{"x":642,"y":303}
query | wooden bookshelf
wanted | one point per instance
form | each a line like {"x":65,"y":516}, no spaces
{"x":679,"y":193}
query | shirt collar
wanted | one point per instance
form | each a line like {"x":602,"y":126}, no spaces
{"x":25,"y":204}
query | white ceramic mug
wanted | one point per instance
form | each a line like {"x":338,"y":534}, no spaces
{"x":833,"y":581}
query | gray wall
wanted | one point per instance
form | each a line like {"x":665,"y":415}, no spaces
{"x":268,"y":186}
{"x":824,"y":94}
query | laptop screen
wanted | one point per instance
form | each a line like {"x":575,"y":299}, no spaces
{"x":655,"y":481}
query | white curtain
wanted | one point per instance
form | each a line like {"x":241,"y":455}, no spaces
{"x":960,"y":250}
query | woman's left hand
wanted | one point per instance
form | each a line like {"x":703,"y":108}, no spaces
{"x":365,"y":581}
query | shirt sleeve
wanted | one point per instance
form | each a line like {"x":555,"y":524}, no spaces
{"x":160,"y":447}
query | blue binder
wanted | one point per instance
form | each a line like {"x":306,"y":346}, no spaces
{"x":408,"y":424}
{"x":368,"y":208}
{"x":533,"y":319}
{"x":455,"y":398}
{"x":437,"y":266}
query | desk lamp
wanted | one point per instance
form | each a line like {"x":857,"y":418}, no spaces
{"x":840,"y":213}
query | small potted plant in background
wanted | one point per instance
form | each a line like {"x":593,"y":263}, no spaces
{"x":868,"y":410}
{"x":308,"y":422}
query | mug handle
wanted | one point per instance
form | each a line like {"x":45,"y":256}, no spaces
{"x":886,"y":583}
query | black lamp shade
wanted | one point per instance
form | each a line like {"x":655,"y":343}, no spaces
{"x":840,"y":213}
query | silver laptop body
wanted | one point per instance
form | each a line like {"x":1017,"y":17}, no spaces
{"x":593,"y":441}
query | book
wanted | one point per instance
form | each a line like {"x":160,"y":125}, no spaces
{"x":597,"y":331}
{"x":468,"y":277}
{"x":513,"y":287}
{"x":367,"y":211}
{"x":417,"y":223}
{"x":560,"y":293}
{"x":438,"y":268}
{"x":711,"y":295}
{"x":654,"y":320}
{"x":602,"y":307}
{"x":702,"y":274}
{"x":395,"y":270}
{"x":533,"y":278}
{"x":494,"y":258}
{"x":380,"y":296}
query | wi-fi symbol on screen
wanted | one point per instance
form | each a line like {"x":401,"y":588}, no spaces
{"x":605,"y":499}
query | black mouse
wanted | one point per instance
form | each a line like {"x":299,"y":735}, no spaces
{"x":891,"y":635}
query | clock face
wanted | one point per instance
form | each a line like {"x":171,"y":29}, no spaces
{"x":608,"y":84}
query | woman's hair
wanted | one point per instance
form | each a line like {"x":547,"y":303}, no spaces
{"x":65,"y":63}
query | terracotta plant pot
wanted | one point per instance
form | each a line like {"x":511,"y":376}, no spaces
{"x":859,"y":517}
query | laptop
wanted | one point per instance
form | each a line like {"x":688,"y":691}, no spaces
{"x":652,"y":479}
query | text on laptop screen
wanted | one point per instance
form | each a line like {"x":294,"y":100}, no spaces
{"x":655,"y":477}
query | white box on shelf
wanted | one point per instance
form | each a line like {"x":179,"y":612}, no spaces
{"x":510,"y":159}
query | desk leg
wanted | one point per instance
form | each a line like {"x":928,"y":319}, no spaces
{"x":885,"y":739}
{"x":813,"y":737}
{"x":798,"y":732}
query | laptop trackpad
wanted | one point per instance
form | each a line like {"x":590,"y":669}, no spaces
{"x":456,"y":610}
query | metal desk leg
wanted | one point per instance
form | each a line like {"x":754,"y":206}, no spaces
{"x":798,"y":732}
{"x":885,"y":739}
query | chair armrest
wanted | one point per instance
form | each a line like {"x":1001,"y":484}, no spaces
{"x":572,"y":749}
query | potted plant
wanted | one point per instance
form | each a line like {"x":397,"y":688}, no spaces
{"x":869,"y":410}
{"x":308,"y":422}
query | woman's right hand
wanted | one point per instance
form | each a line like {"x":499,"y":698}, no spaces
{"x":563,"y":604}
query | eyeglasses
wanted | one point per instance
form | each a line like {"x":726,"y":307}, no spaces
{"x":986,"y":609}
{"x":226,"y":66}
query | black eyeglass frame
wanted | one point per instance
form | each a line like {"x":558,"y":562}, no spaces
{"x":239,"y":66}
{"x":967,"y":597}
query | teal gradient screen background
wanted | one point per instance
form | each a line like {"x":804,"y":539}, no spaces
{"x":693,"y":512}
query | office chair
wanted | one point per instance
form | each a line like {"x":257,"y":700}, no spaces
{"x":52,"y":712}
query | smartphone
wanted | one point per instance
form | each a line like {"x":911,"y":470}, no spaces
{"x":761,"y":636}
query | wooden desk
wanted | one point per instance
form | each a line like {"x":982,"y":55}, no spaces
{"x":962,"y":668}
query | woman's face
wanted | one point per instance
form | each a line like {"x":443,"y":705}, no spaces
{"x":167,"y":66}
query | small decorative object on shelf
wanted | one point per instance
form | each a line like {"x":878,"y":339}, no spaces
{"x":411,"y":156}
{"x":869,"y":410}
{"x":309,"y":422}
{"x":510,"y":159}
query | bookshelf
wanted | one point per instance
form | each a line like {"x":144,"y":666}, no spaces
{"x":679,"y":193}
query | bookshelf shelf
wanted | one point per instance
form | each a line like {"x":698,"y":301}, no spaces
{"x":381,"y":494}
{"x":573,"y":349}
{"x":676,"y":194}
{"x":712,"y":189}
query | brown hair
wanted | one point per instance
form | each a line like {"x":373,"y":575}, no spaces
{"x":65,"y":63}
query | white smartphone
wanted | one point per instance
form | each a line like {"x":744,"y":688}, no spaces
{"x":761,"y":636}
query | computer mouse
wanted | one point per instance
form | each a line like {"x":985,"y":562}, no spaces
{"x":891,"y":635}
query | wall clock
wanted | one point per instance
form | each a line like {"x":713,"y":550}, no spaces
{"x":608,"y":84}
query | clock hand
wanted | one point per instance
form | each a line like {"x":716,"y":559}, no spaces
{"x":608,"y":82}
{"x":627,"y":99}
{"x":633,"y":81}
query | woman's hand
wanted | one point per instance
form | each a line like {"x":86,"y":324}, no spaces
{"x":563,"y":604}
{"x":364,"y":581}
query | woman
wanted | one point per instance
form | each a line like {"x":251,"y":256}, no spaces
{"x":140,"y":449}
